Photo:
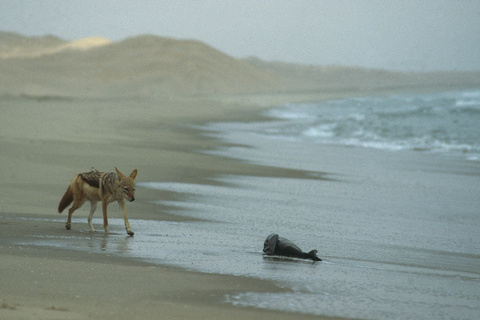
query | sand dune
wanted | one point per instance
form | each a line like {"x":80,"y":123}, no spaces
{"x":144,"y":65}
{"x":88,"y":43}
{"x":311,"y":78}
{"x":15,"y":46}
{"x":150,"y":65}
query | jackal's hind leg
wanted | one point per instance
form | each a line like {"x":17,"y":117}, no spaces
{"x":68,"y":225}
{"x":74,"y":207}
{"x":93,"y":207}
{"x":105,"y":218}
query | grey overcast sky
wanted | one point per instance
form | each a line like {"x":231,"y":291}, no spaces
{"x":399,"y":35}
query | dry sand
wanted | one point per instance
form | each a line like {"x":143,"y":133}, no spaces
{"x":45,"y":142}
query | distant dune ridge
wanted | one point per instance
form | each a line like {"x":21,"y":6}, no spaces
{"x":151,"y":65}
{"x":16,"y":46}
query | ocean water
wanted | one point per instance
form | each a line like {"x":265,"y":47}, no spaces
{"x":394,"y":213}
{"x":446,"y":122}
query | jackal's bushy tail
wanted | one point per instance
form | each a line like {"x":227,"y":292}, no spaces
{"x":66,"y":200}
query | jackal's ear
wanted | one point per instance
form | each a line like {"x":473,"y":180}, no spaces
{"x":133,"y":175}
{"x":119,"y":173}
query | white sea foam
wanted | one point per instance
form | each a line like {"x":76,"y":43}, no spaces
{"x":290,"y":115}
{"x":470,"y":94}
{"x":442,"y":122}
{"x":467,"y":103}
{"x":320,"y":131}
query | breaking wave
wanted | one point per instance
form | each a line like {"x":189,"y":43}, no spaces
{"x":439,"y":122}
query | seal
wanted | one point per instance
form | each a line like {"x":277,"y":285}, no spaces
{"x":275,"y":245}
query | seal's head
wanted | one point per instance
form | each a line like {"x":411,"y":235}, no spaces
{"x":270,"y":244}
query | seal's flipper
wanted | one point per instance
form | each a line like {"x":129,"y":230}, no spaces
{"x":313,"y":255}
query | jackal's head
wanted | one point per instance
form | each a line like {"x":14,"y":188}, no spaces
{"x":127,"y":184}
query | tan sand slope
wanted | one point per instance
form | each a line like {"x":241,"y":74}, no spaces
{"x":152,"y":66}
{"x":15,"y":46}
{"x":144,"y":65}
{"x":88,"y":43}
{"x":298,"y":77}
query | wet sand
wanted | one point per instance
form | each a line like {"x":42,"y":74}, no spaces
{"x":44,"y":142}
{"x":45,"y":283}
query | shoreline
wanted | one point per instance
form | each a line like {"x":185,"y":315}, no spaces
{"x":44,"y":143}
{"x":161,"y":140}
{"x":57,"y":283}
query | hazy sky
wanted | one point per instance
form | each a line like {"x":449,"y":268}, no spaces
{"x":401,"y":35}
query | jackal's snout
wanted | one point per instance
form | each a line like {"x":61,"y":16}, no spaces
{"x":130,"y":197}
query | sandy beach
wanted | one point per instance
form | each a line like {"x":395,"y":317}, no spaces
{"x":44,"y":143}
{"x":65,"y":118}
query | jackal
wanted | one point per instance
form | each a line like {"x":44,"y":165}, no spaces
{"x":99,"y":186}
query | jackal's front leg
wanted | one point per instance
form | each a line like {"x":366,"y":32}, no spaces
{"x":127,"y":225}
